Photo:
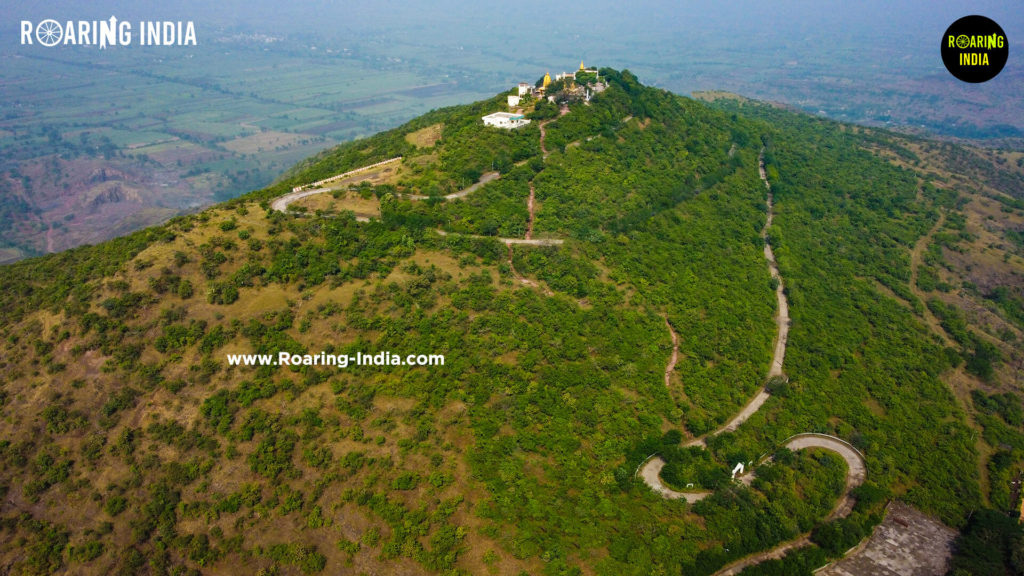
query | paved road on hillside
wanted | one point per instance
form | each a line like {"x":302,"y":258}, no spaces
{"x":650,"y":471}
{"x":281,"y":202}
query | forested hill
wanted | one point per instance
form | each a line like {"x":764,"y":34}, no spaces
{"x":130,"y":445}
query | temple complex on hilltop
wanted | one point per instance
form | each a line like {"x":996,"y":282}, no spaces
{"x":579,"y":85}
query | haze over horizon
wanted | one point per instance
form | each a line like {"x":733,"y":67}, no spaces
{"x":810,"y":48}
{"x":174,"y":128}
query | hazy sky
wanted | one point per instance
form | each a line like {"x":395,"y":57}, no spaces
{"x":681,"y":45}
{"x":775,"y":25}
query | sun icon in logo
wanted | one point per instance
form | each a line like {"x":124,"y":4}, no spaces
{"x":962,"y":41}
{"x":49,"y":32}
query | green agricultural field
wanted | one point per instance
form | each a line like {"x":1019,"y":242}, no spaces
{"x":62,"y":125}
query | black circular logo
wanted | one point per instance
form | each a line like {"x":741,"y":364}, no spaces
{"x":974,"y":49}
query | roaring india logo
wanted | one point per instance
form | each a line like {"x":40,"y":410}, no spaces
{"x":110,"y":32}
{"x":974,"y":49}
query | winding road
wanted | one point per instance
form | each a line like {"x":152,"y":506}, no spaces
{"x":650,"y":471}
{"x":484,"y":179}
{"x":281,"y":202}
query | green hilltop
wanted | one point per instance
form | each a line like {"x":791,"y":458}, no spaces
{"x":129,"y":445}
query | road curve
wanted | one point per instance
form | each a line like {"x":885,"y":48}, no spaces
{"x":281,"y":202}
{"x":650,"y":470}
{"x":856,"y":468}
{"x":484,"y":179}
{"x":856,"y":472}
{"x":782,"y":322}
{"x":651,"y":474}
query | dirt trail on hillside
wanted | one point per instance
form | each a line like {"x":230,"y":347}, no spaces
{"x":675,"y":353}
{"x":530,"y":207}
{"x":782,"y":320}
{"x":522,"y":279}
{"x":561,"y":112}
{"x":543,"y":150}
{"x":509,"y":241}
{"x":915,"y":264}
{"x":531,"y":202}
{"x":782,"y":317}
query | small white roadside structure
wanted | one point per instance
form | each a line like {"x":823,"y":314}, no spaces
{"x":513,"y":101}
{"x":505,"y":120}
{"x":737,"y":470}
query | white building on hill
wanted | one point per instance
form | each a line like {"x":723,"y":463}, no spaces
{"x":505,"y":120}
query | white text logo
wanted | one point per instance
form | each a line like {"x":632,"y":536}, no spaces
{"x":111,"y":32}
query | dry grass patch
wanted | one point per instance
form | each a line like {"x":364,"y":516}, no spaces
{"x":341,"y":200}
{"x":425,"y":137}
